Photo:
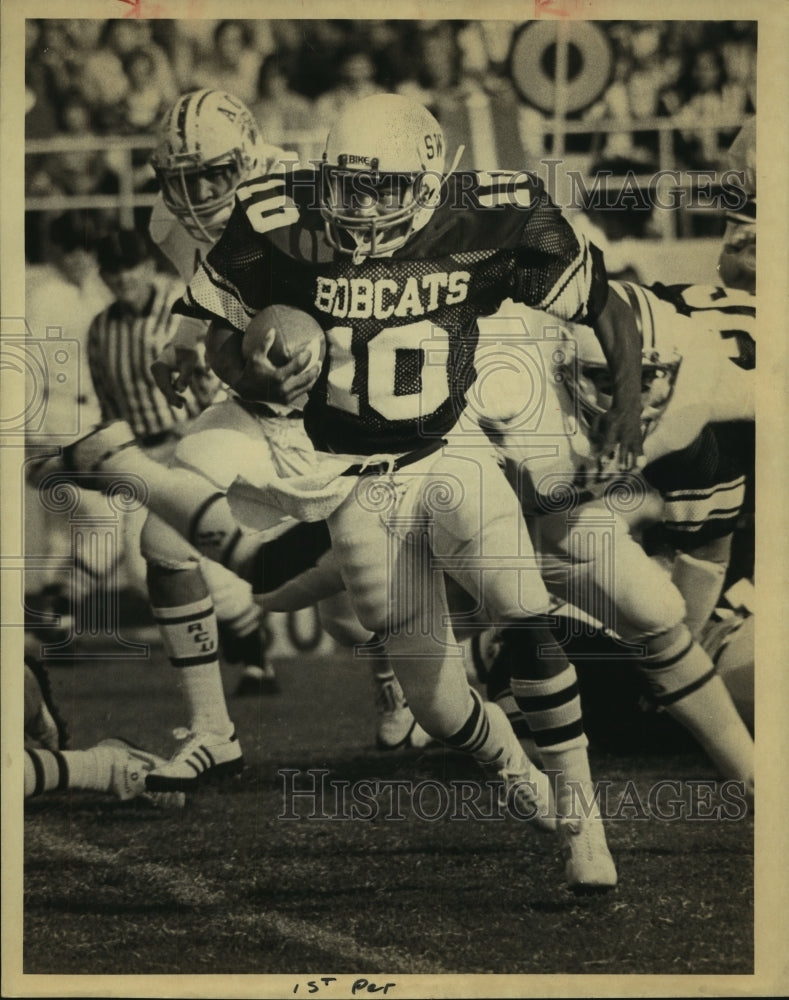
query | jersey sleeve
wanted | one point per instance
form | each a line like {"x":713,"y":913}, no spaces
{"x":704,"y":486}
{"x":556,"y":269}
{"x":233,"y":282}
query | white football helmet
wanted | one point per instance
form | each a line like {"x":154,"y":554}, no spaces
{"x":381,"y":177}
{"x":586,"y":374}
{"x":209,"y":143}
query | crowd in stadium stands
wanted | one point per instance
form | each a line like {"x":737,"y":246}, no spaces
{"x":114,"y":77}
{"x":122,"y":71}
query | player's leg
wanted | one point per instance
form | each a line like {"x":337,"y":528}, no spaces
{"x":199,"y":512}
{"x":396,"y":727}
{"x":484,"y":543}
{"x":401,"y":597}
{"x":113,"y":766}
{"x":44,"y":726}
{"x":184,"y":612}
{"x":226,"y":442}
{"x":632,"y":595}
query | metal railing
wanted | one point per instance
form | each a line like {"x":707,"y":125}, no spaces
{"x":308,"y":144}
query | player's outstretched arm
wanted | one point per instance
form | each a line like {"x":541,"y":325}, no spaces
{"x":173,"y":370}
{"x":619,"y":430}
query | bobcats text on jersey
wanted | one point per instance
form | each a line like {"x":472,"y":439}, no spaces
{"x":360,"y":298}
{"x":401,"y":328}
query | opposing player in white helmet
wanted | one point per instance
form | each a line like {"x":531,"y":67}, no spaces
{"x":698,"y":358}
{"x":208,"y":144}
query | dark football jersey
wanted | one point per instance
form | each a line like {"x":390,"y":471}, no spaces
{"x":401,"y":330}
{"x":706,"y":486}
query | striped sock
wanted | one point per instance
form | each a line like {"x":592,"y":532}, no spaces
{"x":552,"y":707}
{"x":45,"y":770}
{"x":684,"y":681}
{"x":506,"y":702}
{"x":48,"y":770}
{"x":487,"y":735}
{"x":675,"y":666}
{"x":190,"y":636}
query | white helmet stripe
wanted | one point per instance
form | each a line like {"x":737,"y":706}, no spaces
{"x":180,"y":124}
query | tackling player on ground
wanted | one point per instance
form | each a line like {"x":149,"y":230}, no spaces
{"x":698,"y":361}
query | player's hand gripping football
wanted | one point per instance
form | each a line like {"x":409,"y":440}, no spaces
{"x":277,"y":383}
{"x":173,"y":371}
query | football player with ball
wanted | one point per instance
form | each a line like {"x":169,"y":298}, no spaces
{"x":208,"y":144}
{"x":397,"y":259}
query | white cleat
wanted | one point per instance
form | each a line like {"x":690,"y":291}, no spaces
{"x":588,"y":865}
{"x":526,"y":793}
{"x":397,"y":727}
{"x":201,"y":757}
{"x":130,"y":767}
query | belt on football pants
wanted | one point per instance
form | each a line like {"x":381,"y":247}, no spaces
{"x":386,"y":467}
{"x":260,"y":409}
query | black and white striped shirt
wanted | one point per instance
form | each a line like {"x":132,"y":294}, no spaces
{"x":122,"y":346}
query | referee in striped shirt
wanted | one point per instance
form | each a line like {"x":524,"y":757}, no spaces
{"x":126,"y":338}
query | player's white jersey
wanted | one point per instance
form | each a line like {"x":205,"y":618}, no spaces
{"x":710,"y":350}
{"x":182,"y":249}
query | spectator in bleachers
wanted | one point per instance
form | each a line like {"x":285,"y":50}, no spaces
{"x":144,"y":102}
{"x":233,"y":65}
{"x":40,"y":87}
{"x":58,"y":53}
{"x":355,"y":80}
{"x":634,"y":94}
{"x":279,"y":110}
{"x":103,"y":80}
{"x":391,"y":45}
{"x":712,"y":98}
{"x":163,"y":70}
{"x":78,"y":171}
{"x":315,"y":65}
{"x":85,"y":34}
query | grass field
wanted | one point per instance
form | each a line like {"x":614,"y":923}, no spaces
{"x":228,"y":886}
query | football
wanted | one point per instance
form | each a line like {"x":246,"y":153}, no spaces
{"x":294,"y":330}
